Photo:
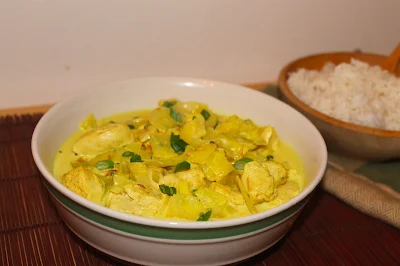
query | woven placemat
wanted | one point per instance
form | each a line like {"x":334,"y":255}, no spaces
{"x":327,"y":232}
{"x":373,"y":188}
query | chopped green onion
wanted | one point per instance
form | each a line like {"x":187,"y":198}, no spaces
{"x":136,"y":158}
{"x":239,"y":164}
{"x":169,"y":104}
{"x":205,"y":114}
{"x":216,"y":124}
{"x":270,"y":158}
{"x":204,"y":216}
{"x":177,"y":144}
{"x":105,"y":165}
{"x":182,"y":166}
{"x":167,"y":190}
{"x":175,"y":115}
{"x":111,"y":122}
{"x":128,"y":154}
{"x":131,"y":126}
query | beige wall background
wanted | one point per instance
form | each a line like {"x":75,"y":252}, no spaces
{"x":51,"y":49}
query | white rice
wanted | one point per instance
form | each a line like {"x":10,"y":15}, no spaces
{"x":356,"y":93}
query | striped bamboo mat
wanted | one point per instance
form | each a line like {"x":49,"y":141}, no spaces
{"x":328,"y":232}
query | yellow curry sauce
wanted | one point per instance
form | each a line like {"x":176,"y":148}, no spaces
{"x":179,"y":161}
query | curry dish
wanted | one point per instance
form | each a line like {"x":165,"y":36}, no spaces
{"x":179,"y":161}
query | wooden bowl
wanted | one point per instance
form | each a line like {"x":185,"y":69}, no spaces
{"x":348,"y":139}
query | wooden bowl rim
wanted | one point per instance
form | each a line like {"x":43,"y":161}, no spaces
{"x":284,"y":88}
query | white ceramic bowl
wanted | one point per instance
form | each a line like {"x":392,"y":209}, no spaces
{"x":158,"y":242}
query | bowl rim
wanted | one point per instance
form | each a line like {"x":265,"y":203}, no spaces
{"x":284,"y":88}
{"x":171,"y":223}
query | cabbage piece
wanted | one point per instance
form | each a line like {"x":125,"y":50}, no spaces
{"x":144,"y":133}
{"x":170,"y":180}
{"x":211,"y":200}
{"x":194,"y":129}
{"x":103,"y":139}
{"x":161,"y":146}
{"x":217,"y":166}
{"x":233,"y":196}
{"x":89,"y":123}
{"x":202,"y":154}
{"x":189,"y":107}
{"x":268,"y":136}
{"x":138,"y":172}
{"x":184,"y":207}
{"x":138,"y":148}
{"x":161,"y":119}
{"x":230,"y":125}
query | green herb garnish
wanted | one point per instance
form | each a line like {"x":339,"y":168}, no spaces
{"x":204,"y":216}
{"x":216,"y":124}
{"x":105,"y":165}
{"x":175,"y":115}
{"x":128,"y":154}
{"x":182,"y":166}
{"x":270,"y":157}
{"x":111,"y":122}
{"x":239,"y":164}
{"x":169,"y":104}
{"x":167,"y":190}
{"x":205,"y":114}
{"x":131,"y":126}
{"x":177,"y":144}
{"x":136,"y":158}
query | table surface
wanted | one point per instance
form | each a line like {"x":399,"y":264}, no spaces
{"x":328,"y":232}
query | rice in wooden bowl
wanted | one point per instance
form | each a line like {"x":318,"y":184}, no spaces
{"x":353,"y":102}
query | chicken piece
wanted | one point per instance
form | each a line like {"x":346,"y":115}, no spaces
{"x":258,"y":183}
{"x":194,"y":177}
{"x":138,"y":200}
{"x":233,"y":196}
{"x":277,"y":171}
{"x":85,"y":183}
{"x":103,"y":139}
{"x":294,"y":176}
{"x":235,"y":147}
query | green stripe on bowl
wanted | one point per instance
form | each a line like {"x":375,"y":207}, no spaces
{"x":171,"y":233}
